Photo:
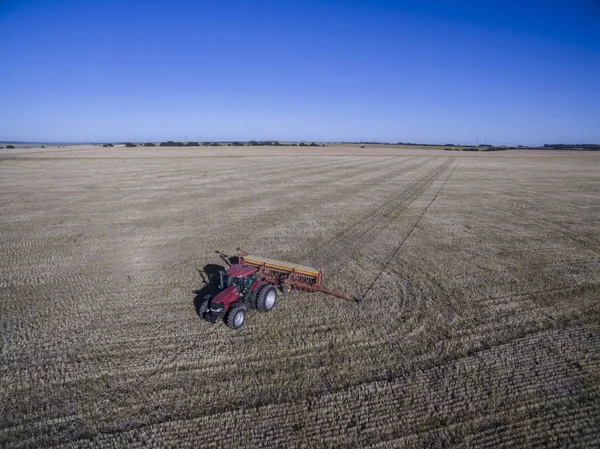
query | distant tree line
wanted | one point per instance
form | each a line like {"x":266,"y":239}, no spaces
{"x":402,"y":143}
{"x":482,"y":148}
{"x":434,"y":145}
{"x":262,"y":143}
{"x":252,"y":143}
{"x":419,"y":144}
{"x":171,"y":143}
{"x":573,"y":146}
{"x":276,"y":143}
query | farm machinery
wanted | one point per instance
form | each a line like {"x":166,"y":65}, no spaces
{"x":253,"y":283}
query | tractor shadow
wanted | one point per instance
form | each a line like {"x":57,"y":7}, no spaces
{"x":210,"y":281}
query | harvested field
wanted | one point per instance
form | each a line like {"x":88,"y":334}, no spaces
{"x":479,"y":275}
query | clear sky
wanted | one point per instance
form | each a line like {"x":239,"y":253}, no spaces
{"x":501,"y":72}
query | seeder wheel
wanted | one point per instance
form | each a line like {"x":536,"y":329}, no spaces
{"x":286,"y":289}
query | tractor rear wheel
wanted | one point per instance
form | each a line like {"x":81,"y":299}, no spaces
{"x":236,"y":317}
{"x":253,"y":297}
{"x":267,"y":298}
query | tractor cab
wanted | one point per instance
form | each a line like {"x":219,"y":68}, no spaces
{"x":242,"y":277}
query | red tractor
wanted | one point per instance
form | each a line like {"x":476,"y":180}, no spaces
{"x":253,"y":284}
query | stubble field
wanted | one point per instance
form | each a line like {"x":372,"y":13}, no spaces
{"x":479,"y":274}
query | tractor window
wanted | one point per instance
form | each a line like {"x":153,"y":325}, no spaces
{"x":232,"y":280}
{"x":247,"y":282}
{"x":223,"y":279}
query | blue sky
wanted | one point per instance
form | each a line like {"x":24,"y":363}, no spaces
{"x":505,"y":72}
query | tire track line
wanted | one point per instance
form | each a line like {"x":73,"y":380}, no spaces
{"x":397,"y":250}
{"x":361,"y":232}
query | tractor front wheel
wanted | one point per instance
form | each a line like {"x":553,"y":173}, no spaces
{"x":203,"y":306}
{"x":236,"y":317}
{"x":267,"y":298}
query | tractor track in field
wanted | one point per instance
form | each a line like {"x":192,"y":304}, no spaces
{"x":353,"y":238}
{"x":289,"y":203}
{"x":418,"y":292}
{"x":386,"y":264}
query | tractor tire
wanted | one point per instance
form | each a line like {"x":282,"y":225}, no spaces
{"x":253,"y":297}
{"x":203,"y":306}
{"x":266,"y":299}
{"x":236,"y":317}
